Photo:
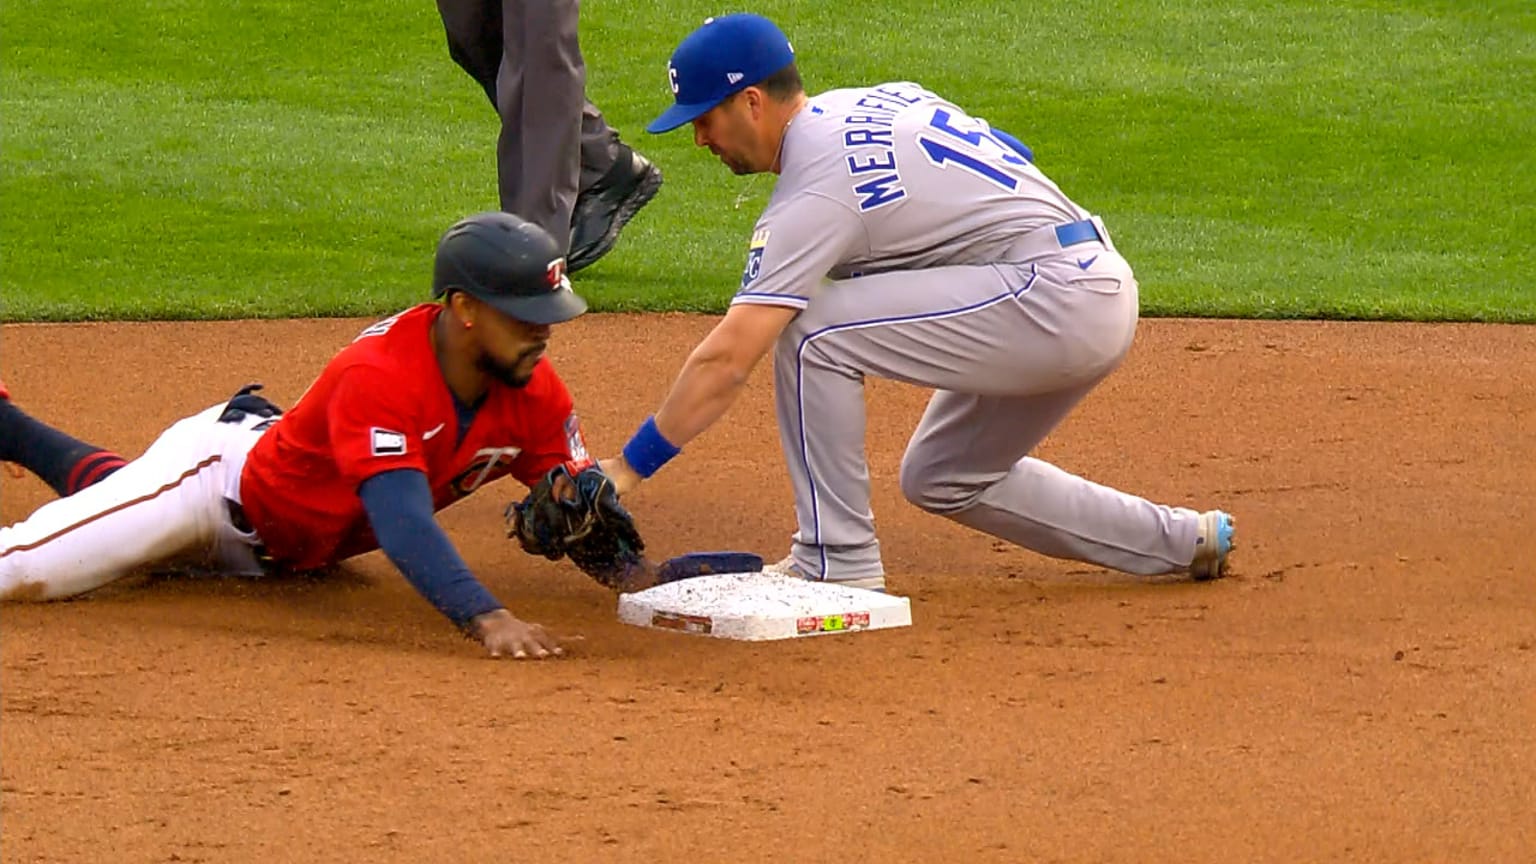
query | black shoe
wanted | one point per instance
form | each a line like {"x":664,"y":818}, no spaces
{"x":602,"y":210}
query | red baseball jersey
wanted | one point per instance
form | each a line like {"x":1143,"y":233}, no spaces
{"x":381,"y":404}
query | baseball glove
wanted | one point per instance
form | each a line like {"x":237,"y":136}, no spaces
{"x":574,"y":512}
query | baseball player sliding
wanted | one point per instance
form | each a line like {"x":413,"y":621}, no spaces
{"x":908,"y":240}
{"x":420,"y":410}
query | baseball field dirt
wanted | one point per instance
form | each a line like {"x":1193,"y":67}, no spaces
{"x":1362,"y":687}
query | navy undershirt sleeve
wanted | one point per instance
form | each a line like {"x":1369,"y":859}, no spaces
{"x":1019,"y":146}
{"x":399,"y":505}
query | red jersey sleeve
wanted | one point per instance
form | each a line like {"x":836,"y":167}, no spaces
{"x":553,"y":430}
{"x":374,"y":426}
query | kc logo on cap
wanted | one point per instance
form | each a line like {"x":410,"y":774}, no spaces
{"x":724,"y":56}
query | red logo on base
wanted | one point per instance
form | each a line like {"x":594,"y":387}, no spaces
{"x":683,"y":623}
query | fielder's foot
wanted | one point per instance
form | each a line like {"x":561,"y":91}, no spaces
{"x":1212,"y":545}
{"x":788,"y":567}
{"x":602,"y":210}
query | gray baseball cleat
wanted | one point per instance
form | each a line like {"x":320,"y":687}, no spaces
{"x":1212,"y":545}
{"x":788,"y":567}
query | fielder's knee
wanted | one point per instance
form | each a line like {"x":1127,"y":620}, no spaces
{"x":934,"y":493}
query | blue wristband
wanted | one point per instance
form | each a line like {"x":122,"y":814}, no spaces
{"x":648,"y":450}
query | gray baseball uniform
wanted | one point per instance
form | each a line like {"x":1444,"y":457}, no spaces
{"x":925,"y":247}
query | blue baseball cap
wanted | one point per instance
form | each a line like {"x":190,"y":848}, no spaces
{"x":724,"y":56}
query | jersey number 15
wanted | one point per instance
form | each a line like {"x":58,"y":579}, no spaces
{"x":969,"y":144}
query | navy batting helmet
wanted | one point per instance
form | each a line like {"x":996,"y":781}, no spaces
{"x":510,"y":263}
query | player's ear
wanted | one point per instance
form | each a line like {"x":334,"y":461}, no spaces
{"x":756,"y":100}
{"x":462,"y":304}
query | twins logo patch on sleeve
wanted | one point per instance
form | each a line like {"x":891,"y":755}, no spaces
{"x":386,"y":442}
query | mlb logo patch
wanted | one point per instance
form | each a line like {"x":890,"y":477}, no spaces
{"x":386,"y":442}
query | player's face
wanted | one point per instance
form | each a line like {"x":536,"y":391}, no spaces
{"x":730,"y":131}
{"x":509,"y":348}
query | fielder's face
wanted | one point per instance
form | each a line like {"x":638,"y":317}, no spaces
{"x":734,"y":132}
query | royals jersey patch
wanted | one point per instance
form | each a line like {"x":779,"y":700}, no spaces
{"x":754,"y":258}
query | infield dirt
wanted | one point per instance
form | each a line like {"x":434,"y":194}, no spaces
{"x":1362,"y":687}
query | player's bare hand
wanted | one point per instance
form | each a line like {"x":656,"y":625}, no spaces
{"x":562,"y":487}
{"x":506,"y":636}
{"x":624,"y":478}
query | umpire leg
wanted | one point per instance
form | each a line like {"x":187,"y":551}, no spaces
{"x":527,"y":59}
{"x":539,"y":93}
{"x":599,"y":147}
{"x":473,"y":28}
{"x":474,"y":31}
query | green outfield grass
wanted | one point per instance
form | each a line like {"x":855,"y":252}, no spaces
{"x":272,"y":158}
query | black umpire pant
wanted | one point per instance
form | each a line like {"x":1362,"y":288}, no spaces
{"x":527,"y":57}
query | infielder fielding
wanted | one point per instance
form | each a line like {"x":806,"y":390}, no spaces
{"x":420,"y":410}
{"x":908,"y":240}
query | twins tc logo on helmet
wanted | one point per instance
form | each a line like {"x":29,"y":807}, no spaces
{"x":555,"y":276}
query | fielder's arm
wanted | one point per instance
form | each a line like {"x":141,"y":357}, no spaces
{"x":705,"y":389}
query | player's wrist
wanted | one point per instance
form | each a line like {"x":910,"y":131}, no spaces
{"x":624,"y":478}
{"x":648,"y":449}
{"x":479,"y":625}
